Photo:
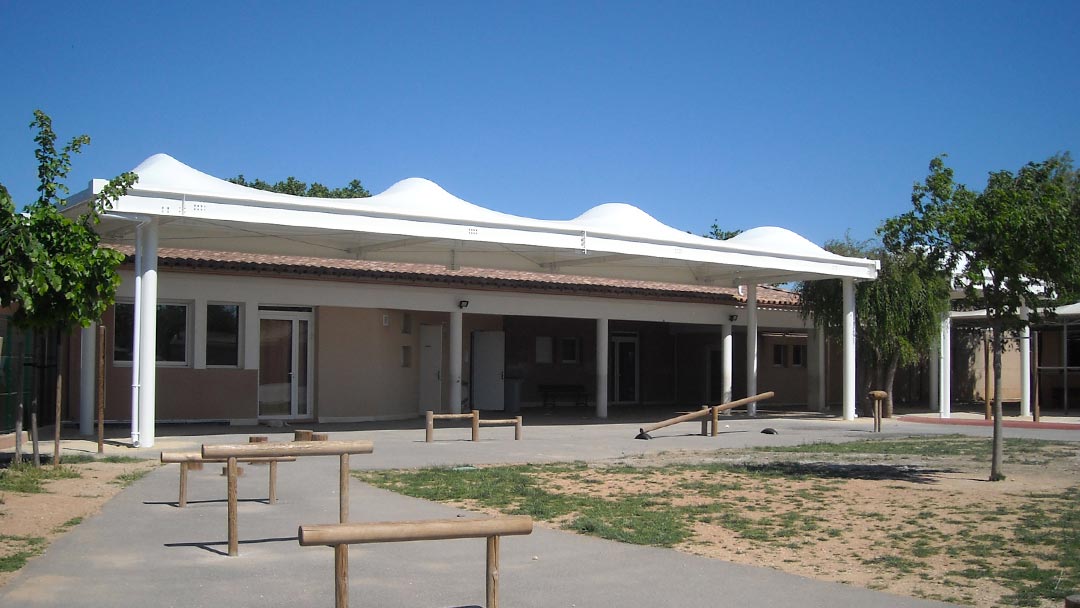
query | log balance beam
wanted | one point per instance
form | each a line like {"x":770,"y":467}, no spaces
{"x":194,"y":460}
{"x":340,"y":536}
{"x":232,"y":452}
{"x":711,"y":411}
{"x":474,"y":416}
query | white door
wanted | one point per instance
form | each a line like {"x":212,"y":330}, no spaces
{"x":488,"y":370}
{"x":285,"y":361}
{"x":431,"y":359}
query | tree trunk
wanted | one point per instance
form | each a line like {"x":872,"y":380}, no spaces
{"x":19,"y":370}
{"x":998,"y":448}
{"x":890,"y":377}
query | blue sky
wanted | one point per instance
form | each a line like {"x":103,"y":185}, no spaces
{"x":816,"y":117}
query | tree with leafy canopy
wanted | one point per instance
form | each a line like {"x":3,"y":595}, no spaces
{"x":897,"y":313}
{"x":1012,"y":248}
{"x":291,"y":185}
{"x":54,"y":273}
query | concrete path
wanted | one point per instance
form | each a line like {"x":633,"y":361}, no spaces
{"x":144,"y":551}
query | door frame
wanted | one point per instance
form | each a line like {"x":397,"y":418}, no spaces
{"x":296,"y":317}
{"x":615,"y":372}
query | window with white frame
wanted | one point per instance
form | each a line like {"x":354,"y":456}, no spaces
{"x":172,"y":333}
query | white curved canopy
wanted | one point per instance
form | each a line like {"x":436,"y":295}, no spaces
{"x":415,"y":220}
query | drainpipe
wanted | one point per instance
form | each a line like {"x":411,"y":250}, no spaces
{"x":142,"y":220}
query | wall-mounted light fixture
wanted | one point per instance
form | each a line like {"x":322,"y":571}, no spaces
{"x":463,"y":304}
{"x":733,"y":318}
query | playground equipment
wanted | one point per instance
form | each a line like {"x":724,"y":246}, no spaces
{"x":340,"y":536}
{"x":431,"y":417}
{"x":878,"y":397}
{"x":712,"y":411}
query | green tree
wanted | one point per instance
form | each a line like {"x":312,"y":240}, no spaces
{"x":55,"y":274}
{"x":1013,"y":246}
{"x":898,"y":314}
{"x":716,"y":232}
{"x":291,"y":185}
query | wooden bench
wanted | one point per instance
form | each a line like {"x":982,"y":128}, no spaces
{"x":233,"y":453}
{"x":550,"y":394}
{"x":430,"y":417}
{"x":340,"y":536}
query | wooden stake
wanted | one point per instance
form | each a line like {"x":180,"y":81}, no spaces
{"x":429,"y":426}
{"x":34,"y":435}
{"x":302,"y":435}
{"x":517,"y":428}
{"x":715,"y":420}
{"x":476,"y":425}
{"x":343,"y":489}
{"x":182,"y":500}
{"x":986,"y":375}
{"x":341,"y":576}
{"x":234,"y":542}
{"x":101,"y":390}
{"x":56,"y":431}
{"x":492,"y":572}
{"x":273,"y":482}
{"x":705,"y":423}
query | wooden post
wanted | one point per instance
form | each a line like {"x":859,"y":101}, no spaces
{"x":705,"y":423}
{"x":1073,"y":601}
{"x":492,"y":581}
{"x":715,"y":421}
{"x":343,"y":489}
{"x":258,"y":439}
{"x":56,"y":430}
{"x":234,"y":542}
{"x":341,"y":576}
{"x":182,"y":501}
{"x":101,"y":390}
{"x":320,"y":437}
{"x":34,"y":435}
{"x":517,"y":428}
{"x":302,"y":435}
{"x":878,"y":397}
{"x":273,"y":483}
{"x":429,"y":426}
{"x":476,"y":425}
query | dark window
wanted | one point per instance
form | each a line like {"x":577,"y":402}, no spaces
{"x":223,"y":334}
{"x":798,"y":355}
{"x":1073,"y":346}
{"x":568,"y":350}
{"x":171,"y":332}
{"x":779,"y":355}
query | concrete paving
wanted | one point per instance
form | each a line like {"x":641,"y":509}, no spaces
{"x":143,"y":550}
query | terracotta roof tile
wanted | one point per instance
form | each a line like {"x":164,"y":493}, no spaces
{"x":475,"y":277}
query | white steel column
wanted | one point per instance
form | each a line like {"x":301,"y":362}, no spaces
{"x":87,"y":367}
{"x":751,"y":346}
{"x":147,"y":314}
{"x":455,"y":361}
{"x":933,"y":377}
{"x":136,"y":331}
{"x":601,"y":367}
{"x":725,"y":376}
{"x":945,"y":372}
{"x":1025,"y":366}
{"x":849,"y":348}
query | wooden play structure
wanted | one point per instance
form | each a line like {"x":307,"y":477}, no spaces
{"x":474,"y":416}
{"x":706,"y":413}
{"x":232,"y":453}
{"x":340,"y":536}
{"x":193,"y":461}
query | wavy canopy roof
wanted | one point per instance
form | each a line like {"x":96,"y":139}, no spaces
{"x":417,"y":221}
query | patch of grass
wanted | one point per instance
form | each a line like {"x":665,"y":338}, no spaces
{"x":86,"y":458}
{"x":16,"y":550}
{"x":28,"y":479}
{"x":1034,"y":450}
{"x":896,"y":563}
{"x":126,"y":479}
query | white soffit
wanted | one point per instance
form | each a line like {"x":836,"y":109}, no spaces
{"x":415,"y":220}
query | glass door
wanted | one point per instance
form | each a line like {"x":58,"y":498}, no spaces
{"x":284,"y":364}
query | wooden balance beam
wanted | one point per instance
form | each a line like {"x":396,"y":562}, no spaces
{"x":340,"y":536}
{"x":195,"y":460}
{"x":712,"y":411}
{"x":431,"y":417}
{"x":232,"y":452}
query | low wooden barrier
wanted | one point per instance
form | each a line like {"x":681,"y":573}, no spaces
{"x":194,"y":460}
{"x":340,"y":536}
{"x":474,"y":416}
{"x":234,"y":452}
{"x":711,"y":411}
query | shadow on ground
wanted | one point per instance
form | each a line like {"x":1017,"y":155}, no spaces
{"x":825,"y":470}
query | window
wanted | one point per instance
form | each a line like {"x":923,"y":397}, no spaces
{"x":223,"y":334}
{"x":543,"y":349}
{"x":1073,"y":346}
{"x":568,"y":350}
{"x":172,"y":322}
{"x":798,"y":355}
{"x":406,"y":323}
{"x":779,"y":355}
